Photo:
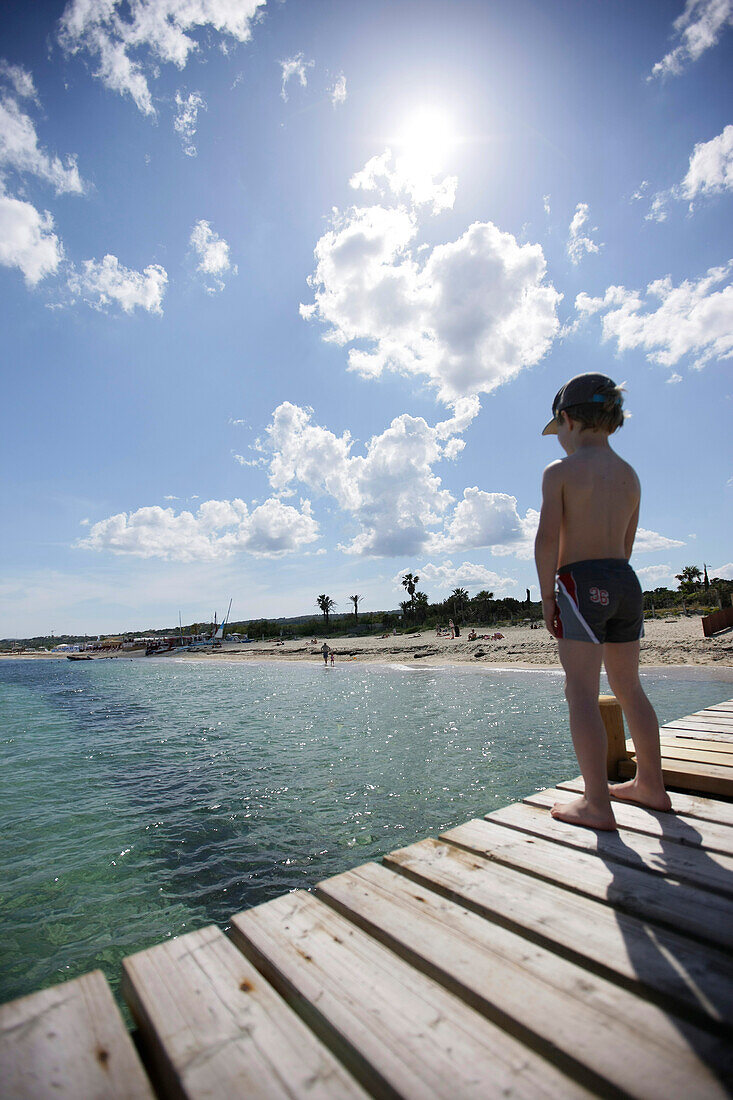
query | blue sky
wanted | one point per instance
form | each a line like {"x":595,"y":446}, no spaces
{"x":287,"y":290}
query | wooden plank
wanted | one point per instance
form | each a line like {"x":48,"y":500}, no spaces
{"x":689,"y":775}
{"x":726,"y":706}
{"x":721,"y":749}
{"x":700,"y":914}
{"x":400,"y":1031}
{"x":698,"y":735}
{"x":212,"y":1026}
{"x":617,"y":946}
{"x":720,"y":740}
{"x":705,"y":725}
{"x":669,"y":827}
{"x":691,"y":805}
{"x":708,"y":872}
{"x":698,"y":755}
{"x":551,"y":1001}
{"x":69,"y":1041}
{"x":722,"y":720}
{"x":706,"y":711}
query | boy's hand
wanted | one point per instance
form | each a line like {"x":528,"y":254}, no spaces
{"x":551,"y":615}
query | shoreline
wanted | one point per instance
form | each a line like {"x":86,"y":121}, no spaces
{"x":667,"y":644}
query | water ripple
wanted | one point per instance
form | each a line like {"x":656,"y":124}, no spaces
{"x":143,"y":799}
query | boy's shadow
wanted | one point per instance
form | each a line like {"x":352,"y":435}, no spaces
{"x":692,"y":998}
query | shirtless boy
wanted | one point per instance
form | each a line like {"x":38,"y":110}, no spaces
{"x":590,"y":509}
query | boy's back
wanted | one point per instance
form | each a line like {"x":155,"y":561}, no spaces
{"x":599,"y":497}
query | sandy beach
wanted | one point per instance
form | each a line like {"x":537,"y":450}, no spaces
{"x":667,"y":642}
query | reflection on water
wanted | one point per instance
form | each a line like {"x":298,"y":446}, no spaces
{"x":142,"y":799}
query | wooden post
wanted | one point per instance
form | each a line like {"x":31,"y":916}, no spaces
{"x":613,"y":720}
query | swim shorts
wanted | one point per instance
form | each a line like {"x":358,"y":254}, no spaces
{"x":599,"y":601}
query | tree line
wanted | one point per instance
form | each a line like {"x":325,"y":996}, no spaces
{"x":696,"y":592}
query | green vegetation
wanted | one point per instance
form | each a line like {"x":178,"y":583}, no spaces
{"x":697,"y":594}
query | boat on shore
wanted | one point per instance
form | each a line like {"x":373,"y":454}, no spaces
{"x":171,"y":645}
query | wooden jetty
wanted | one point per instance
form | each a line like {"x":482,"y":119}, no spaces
{"x":513,"y":956}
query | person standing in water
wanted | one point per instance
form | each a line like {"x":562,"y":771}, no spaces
{"x":591,"y":598}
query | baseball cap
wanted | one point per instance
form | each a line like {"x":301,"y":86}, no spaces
{"x":584,"y":389}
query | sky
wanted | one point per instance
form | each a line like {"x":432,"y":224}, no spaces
{"x":287,"y":290}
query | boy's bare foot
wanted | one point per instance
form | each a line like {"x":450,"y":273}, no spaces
{"x":654,"y":798}
{"x":580,"y":812}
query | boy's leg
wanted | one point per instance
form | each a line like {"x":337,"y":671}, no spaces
{"x":582,"y":664}
{"x":647,"y":786}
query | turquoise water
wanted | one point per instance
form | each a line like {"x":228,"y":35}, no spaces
{"x":141,"y":799}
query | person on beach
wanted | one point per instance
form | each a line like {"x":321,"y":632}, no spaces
{"x":590,"y":510}
{"x":325,"y":650}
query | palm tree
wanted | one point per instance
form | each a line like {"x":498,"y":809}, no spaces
{"x":410,"y":583}
{"x":689,"y":578}
{"x":420,"y":606}
{"x":355,"y":600}
{"x":481,"y":600}
{"x":326,"y":605}
{"x":458,"y":596}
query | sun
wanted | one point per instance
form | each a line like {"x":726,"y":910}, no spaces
{"x":425,"y":139}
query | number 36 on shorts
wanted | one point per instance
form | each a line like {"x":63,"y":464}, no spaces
{"x":598,"y":595}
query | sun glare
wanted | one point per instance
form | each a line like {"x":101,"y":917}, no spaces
{"x":426,"y":138}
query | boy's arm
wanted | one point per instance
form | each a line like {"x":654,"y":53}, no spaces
{"x":547,"y":542}
{"x":631,"y":532}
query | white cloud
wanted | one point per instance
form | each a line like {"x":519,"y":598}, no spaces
{"x":546,"y":204}
{"x":578,"y":244}
{"x":698,"y":28}
{"x":648,"y":542}
{"x":19,"y":150}
{"x":242,"y":461}
{"x":219,"y":529}
{"x":390,"y":495}
{"x":294,"y":66}
{"x":487,"y":521}
{"x":692,"y":319}
{"x":640,"y":191}
{"x":711,"y":167}
{"x":658,"y":210}
{"x":21,"y":80}
{"x":710,"y":172}
{"x":674,"y":379}
{"x":723,"y":572}
{"x":156,"y":30}
{"x":391,"y":492}
{"x":468,"y":315}
{"x":103,"y":282}
{"x":213,"y":254}
{"x":652,"y":576}
{"x":27,"y":240}
{"x":408,"y":176}
{"x":185,"y":122}
{"x":447,"y":576}
{"x":337,"y":91}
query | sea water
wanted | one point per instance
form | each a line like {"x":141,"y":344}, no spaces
{"x":142,"y":799}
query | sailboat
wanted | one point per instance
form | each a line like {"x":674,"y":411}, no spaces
{"x":214,"y":641}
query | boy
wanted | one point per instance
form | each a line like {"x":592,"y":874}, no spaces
{"x":590,"y":509}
